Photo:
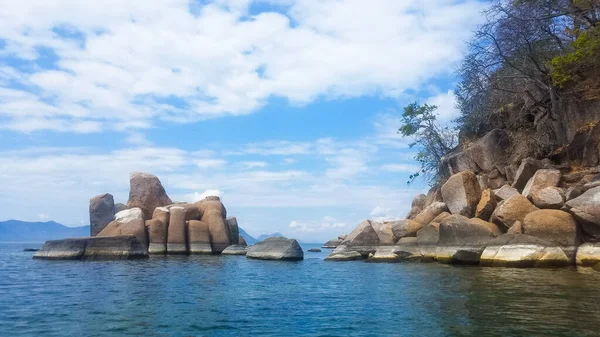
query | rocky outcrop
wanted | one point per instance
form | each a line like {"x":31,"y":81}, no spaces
{"x":102,"y":212}
{"x":115,"y":247}
{"x":242,"y":241}
{"x":586,"y":209}
{"x":513,"y":209}
{"x":120,"y":207}
{"x":520,"y":250}
{"x":176,"y":237}
{"x":427,"y":241}
{"x":213,"y":214}
{"x":199,"y":237}
{"x":461,"y":193}
{"x":276,"y":248}
{"x":191,"y":211}
{"x":235,"y":250}
{"x":128,"y":222}
{"x":384,"y":254}
{"x":147,"y":193}
{"x":554,"y":226}
{"x":418,"y":203}
{"x":462,"y":241}
{"x":211,"y":202}
{"x":482,"y":156}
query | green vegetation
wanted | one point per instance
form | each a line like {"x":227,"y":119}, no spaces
{"x":432,"y":140}
{"x":521,"y":63}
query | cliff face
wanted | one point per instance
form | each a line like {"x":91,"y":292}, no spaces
{"x":527,"y":197}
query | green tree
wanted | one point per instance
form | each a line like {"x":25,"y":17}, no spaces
{"x":431,"y":139}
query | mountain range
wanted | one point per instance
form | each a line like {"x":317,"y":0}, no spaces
{"x":23,"y":231}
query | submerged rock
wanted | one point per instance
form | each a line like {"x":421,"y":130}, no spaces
{"x":276,"y":248}
{"x":235,"y":250}
{"x":520,"y":250}
{"x":109,"y":247}
{"x":314,"y":250}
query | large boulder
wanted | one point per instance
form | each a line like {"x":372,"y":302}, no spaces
{"x":407,"y":249}
{"x":513,"y":209}
{"x":99,"y":247}
{"x":505,"y":192}
{"x":554,"y":226}
{"x":586,"y":209}
{"x":234,"y":230}
{"x":431,"y":212}
{"x":520,"y":250}
{"x":211,"y":202}
{"x":363,"y":239}
{"x":333,"y":243}
{"x":102,"y":212}
{"x":525,"y":171}
{"x":276,"y":248}
{"x":404,"y":228}
{"x":119,"y":206}
{"x":588,"y":254}
{"x":461,"y":193}
{"x":128,"y":222}
{"x":549,"y":197}
{"x":427,"y":241}
{"x":219,"y":233}
{"x":199,"y":237}
{"x":191,"y":210}
{"x":462,"y":241}
{"x":147,"y":193}
{"x":157,"y":236}
{"x":343,"y":253}
{"x":584,"y":149}
{"x":176,"y":237}
{"x":242,"y":241}
{"x":384,"y":254}
{"x":541,"y":179}
{"x":481,"y":156}
{"x":235,"y":250}
{"x":487,"y":204}
{"x":158,"y":230}
{"x":419,"y":201}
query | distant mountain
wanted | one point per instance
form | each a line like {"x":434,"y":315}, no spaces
{"x":264,"y":236}
{"x":249,"y":239}
{"x":15,"y":230}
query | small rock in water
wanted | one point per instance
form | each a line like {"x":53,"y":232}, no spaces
{"x":314,"y":250}
{"x":30,"y":250}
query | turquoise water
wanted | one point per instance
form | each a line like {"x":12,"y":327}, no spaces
{"x":234,"y":296}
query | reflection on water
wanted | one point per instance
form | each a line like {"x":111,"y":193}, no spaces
{"x":233,"y":296}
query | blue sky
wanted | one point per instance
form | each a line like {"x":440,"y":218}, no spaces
{"x":286,"y":109}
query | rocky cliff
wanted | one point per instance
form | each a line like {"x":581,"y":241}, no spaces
{"x":496,"y":206}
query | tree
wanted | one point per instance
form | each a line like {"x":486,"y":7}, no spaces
{"x":432,"y":140}
{"x":509,"y":63}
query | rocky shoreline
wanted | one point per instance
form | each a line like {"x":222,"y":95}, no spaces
{"x":151,"y":224}
{"x":540,"y":213}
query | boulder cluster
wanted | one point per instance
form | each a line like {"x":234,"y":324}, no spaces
{"x":151,"y":223}
{"x":532,"y":215}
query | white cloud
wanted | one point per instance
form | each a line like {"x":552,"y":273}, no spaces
{"x":207,"y":163}
{"x":138,"y":138}
{"x":281,"y":148}
{"x":253,"y":164}
{"x":216,"y":59}
{"x":446,"y":103}
{"x":289,"y":161}
{"x":385,"y":214}
{"x":193,"y":197}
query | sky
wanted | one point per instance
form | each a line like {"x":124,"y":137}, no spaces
{"x":288,"y":110}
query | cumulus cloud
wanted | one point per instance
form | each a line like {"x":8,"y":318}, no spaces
{"x":79,"y":71}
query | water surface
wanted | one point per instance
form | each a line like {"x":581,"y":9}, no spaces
{"x":234,"y":296}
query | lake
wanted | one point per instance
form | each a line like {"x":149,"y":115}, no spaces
{"x":234,"y":296}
